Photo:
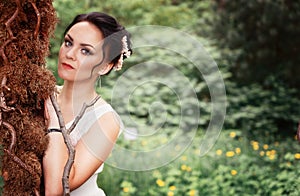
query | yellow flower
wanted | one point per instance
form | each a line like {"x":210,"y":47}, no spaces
{"x":230,"y":154}
{"x":271,"y":152}
{"x":232,"y":134}
{"x":144,"y":143}
{"x":183,"y":167}
{"x":238,"y":151}
{"x":254,"y":143}
{"x":160,"y":182}
{"x":126,"y":189}
{"x":188,"y":169}
{"x":255,"y":147}
{"x":266,"y":146}
{"x":233,"y":172}
{"x":262,"y":153}
{"x":192,"y":192}
{"x":219,"y":152}
{"x":172,"y":188}
{"x":170,"y":193}
{"x":272,"y":157}
{"x":183,"y":158}
{"x":297,"y":156}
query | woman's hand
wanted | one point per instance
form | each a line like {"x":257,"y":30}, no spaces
{"x":50,"y":115}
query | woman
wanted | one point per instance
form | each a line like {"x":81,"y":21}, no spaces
{"x":94,"y":44}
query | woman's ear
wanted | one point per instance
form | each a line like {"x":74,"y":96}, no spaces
{"x":106,"y":69}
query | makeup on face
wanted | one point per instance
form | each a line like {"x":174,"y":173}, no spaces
{"x":80,"y":51}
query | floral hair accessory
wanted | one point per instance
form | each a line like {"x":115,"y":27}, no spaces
{"x":125,"y":52}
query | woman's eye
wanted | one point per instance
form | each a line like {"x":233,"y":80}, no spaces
{"x":68,"y":43}
{"x":85,"y":51}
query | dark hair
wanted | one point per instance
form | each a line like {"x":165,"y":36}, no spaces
{"x":112,"y":31}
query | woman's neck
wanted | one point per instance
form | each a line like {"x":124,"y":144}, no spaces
{"x":74,"y":95}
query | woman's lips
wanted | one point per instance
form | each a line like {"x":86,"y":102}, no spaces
{"x":67,"y":66}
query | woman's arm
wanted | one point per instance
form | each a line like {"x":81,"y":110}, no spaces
{"x":87,"y":157}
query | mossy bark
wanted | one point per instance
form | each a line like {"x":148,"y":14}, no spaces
{"x":25,"y":29}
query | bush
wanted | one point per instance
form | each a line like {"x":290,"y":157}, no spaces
{"x":263,"y":111}
{"x":235,"y":166}
{"x":256,"y":36}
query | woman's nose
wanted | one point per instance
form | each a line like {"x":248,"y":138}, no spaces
{"x":71,"y":54}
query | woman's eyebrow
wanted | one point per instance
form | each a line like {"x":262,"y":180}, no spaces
{"x":82,"y":44}
{"x":70,"y":37}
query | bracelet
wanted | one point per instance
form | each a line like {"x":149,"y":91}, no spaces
{"x":53,"y":130}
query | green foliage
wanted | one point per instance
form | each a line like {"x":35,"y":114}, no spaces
{"x":254,"y":49}
{"x":250,"y":41}
{"x":128,"y":188}
{"x":260,"y":38}
{"x":235,"y":166}
{"x":137,"y":12}
{"x":164,"y":83}
{"x":262,"y":111}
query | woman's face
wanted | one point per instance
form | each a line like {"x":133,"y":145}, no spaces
{"x":80,"y":52}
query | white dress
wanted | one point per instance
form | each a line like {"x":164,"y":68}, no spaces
{"x":90,"y":187}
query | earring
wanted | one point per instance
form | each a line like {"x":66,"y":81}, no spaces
{"x":98,"y":83}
